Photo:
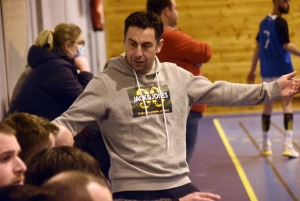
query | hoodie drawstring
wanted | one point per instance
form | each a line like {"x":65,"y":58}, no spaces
{"x":163,"y":107}
{"x":137,"y":81}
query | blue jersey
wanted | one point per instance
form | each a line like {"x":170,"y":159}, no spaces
{"x":275,"y":61}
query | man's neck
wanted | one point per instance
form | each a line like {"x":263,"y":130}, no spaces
{"x":276,"y":12}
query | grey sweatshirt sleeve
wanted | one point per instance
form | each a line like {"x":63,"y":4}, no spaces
{"x":222,"y":93}
{"x":89,"y":107}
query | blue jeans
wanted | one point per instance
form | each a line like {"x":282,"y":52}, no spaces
{"x":192,"y":126}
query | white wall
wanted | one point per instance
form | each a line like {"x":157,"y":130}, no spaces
{"x":3,"y":80}
{"x":14,"y":44}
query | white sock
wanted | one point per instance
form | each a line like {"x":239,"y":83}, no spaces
{"x":288,"y":136}
{"x":266,"y":137}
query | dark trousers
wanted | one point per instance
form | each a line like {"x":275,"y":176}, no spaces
{"x":91,"y":141}
{"x":173,"y":193}
{"x":192,"y":125}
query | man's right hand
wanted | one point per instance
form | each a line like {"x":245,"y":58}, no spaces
{"x":200,"y":196}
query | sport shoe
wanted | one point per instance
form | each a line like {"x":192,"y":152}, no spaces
{"x":266,"y":148}
{"x":289,"y":151}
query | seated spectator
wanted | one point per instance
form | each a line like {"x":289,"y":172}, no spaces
{"x":76,"y":185}
{"x":50,"y":162}
{"x":33,"y":133}
{"x":12,"y":167}
{"x":26,"y":193}
{"x":57,"y":75}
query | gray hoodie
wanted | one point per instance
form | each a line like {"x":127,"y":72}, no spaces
{"x":145,"y":138}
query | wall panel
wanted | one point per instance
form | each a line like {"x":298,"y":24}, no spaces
{"x":229,"y":26}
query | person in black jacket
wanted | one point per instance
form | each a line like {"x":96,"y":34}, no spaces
{"x":59,"y":73}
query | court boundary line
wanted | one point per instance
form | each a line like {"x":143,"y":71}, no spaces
{"x":235,"y":161}
{"x":272,"y":166}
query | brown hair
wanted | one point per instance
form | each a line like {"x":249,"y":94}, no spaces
{"x":62,"y":33}
{"x":32,"y":132}
{"x":6,"y":129}
{"x":50,"y":162}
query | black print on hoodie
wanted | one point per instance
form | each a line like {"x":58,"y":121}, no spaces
{"x":153,"y":99}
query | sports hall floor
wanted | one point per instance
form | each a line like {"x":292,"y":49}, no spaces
{"x":227,"y":160}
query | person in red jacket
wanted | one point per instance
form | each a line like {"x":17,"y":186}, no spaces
{"x":187,"y":53}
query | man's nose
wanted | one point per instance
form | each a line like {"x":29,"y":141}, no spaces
{"x":138,"y":51}
{"x":20,"y":165}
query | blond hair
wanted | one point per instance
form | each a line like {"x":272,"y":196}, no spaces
{"x":62,"y":33}
{"x":45,"y":39}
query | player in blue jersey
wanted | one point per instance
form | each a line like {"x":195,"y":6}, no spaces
{"x":273,"y":50}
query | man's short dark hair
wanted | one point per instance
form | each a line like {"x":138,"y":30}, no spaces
{"x":145,"y":20}
{"x":50,"y":162}
{"x":157,"y":6}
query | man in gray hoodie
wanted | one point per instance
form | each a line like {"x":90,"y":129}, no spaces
{"x":141,"y":106}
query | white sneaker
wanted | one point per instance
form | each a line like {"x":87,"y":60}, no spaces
{"x":266,"y":149}
{"x":289,"y":151}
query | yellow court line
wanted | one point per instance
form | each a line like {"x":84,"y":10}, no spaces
{"x":235,"y":161}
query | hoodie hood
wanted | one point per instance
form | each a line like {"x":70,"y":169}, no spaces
{"x":38,"y":55}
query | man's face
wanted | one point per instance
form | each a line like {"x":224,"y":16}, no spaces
{"x":141,"y":48}
{"x":173,"y":14}
{"x":283,"y":6}
{"x":12,"y":167}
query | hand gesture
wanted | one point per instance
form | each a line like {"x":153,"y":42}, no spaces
{"x":288,"y":85}
{"x":200,"y":196}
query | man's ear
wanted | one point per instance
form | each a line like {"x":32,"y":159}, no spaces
{"x":167,"y":11}
{"x":160,"y":45}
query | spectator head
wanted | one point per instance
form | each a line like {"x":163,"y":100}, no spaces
{"x":76,"y":185}
{"x":166,"y":9}
{"x":50,"y":162}
{"x":26,"y":193}
{"x":157,"y":6}
{"x":33,"y":133}
{"x":66,"y":36}
{"x":12,"y":167}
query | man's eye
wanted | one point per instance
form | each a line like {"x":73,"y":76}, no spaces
{"x":4,"y":159}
